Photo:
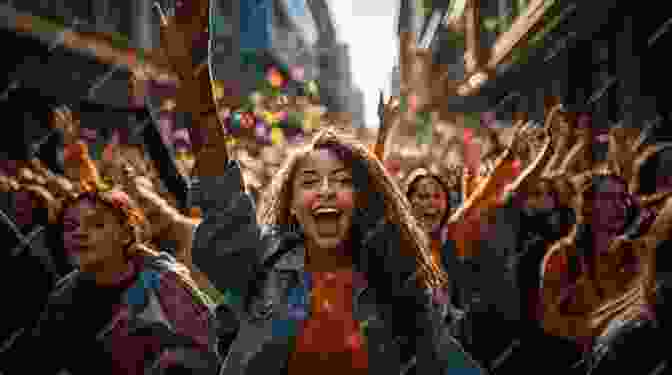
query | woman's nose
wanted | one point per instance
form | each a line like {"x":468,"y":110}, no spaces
{"x":326,"y":187}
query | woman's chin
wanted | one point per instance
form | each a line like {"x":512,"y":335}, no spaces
{"x":329,"y":243}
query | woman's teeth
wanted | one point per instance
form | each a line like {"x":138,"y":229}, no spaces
{"x":326,"y":210}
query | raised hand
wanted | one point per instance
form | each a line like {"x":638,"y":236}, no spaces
{"x":62,"y":118}
{"x":389,"y":115}
{"x":8,"y":184}
{"x":44,"y":198}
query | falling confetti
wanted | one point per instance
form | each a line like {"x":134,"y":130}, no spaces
{"x":297,"y":73}
{"x":413,"y":103}
{"x":275,"y":78}
{"x":424,"y":128}
{"x":247,"y":120}
{"x":277,"y":136}
{"x":270,"y":118}
{"x":231,"y":142}
{"x":260,"y":130}
{"x":218,"y":90}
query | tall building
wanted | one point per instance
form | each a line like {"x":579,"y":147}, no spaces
{"x":335,"y":78}
{"x":395,"y":81}
{"x":356,"y":106}
{"x":273,"y":31}
{"x":294,"y":34}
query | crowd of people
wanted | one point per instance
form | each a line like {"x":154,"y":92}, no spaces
{"x":337,"y":254}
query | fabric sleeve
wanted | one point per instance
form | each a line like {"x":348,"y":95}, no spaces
{"x":227,"y":242}
{"x":416,"y":319}
{"x":190,"y":345}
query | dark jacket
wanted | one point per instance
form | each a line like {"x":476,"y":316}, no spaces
{"x":26,"y":262}
{"x":260,"y":269}
{"x":497,"y":287}
{"x":149,"y":324}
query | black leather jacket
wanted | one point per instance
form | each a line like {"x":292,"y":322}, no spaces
{"x":260,"y":267}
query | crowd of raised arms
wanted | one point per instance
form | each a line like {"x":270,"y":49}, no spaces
{"x":527,"y":256}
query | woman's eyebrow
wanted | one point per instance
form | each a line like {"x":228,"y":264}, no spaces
{"x":308,"y":172}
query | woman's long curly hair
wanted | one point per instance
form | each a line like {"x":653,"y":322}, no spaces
{"x":379,"y":193}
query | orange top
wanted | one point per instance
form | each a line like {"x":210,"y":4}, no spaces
{"x":467,"y":232}
{"x":330,"y":341}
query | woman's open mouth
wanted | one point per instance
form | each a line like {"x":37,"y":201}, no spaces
{"x":327,"y":221}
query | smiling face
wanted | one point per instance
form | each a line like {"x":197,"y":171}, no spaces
{"x":93,"y":235}
{"x":430,"y":203}
{"x":323,"y":199}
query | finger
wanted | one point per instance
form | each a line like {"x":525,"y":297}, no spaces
{"x":38,"y":165}
{"x":162,"y":14}
{"x":40,"y":180}
{"x":41,"y":194}
{"x":4,"y":184}
{"x":14,"y":184}
{"x":26,"y":175}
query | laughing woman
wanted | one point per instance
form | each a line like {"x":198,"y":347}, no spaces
{"x":338,"y":273}
{"x":333,"y":275}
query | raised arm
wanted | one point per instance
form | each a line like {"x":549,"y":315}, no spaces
{"x":195,"y":95}
{"x":389,"y":118}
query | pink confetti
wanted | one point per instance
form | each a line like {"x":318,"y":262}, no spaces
{"x":413,"y":102}
{"x":297,"y":73}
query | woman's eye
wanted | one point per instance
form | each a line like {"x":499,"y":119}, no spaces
{"x":308,"y":183}
{"x":345,"y":180}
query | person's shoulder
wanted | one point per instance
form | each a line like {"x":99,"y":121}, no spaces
{"x":278,"y":241}
{"x":161,"y":262}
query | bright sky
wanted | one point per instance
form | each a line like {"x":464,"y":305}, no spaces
{"x":368,"y":27}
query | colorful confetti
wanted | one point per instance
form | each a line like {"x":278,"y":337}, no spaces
{"x":312,"y":89}
{"x":424,"y":128}
{"x":218,"y":90}
{"x":297,"y":73}
{"x":275,"y":78}
{"x":277,"y":136}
